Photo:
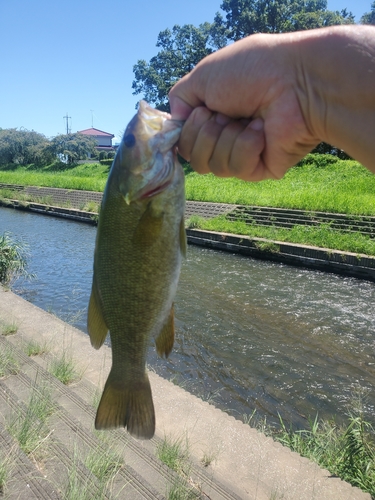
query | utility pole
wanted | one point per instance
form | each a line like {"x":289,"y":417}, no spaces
{"x":92,"y":118}
{"x":67,"y":122}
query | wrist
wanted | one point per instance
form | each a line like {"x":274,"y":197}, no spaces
{"x":335,"y":76}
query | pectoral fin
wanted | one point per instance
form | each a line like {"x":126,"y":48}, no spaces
{"x":165,"y":339}
{"x":183,"y":240}
{"x":95,"y":322}
{"x":149,"y":228}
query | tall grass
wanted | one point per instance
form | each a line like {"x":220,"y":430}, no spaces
{"x":90,"y":177}
{"x":320,"y":183}
{"x":29,"y":428}
{"x":341,"y":187}
{"x":13,"y":260}
{"x":346,"y":451}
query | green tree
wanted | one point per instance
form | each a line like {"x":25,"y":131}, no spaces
{"x":369,"y":17}
{"x":184,"y":46}
{"x":72,"y":147}
{"x":23,"y":147}
{"x":180,"y":50}
{"x":247,"y":17}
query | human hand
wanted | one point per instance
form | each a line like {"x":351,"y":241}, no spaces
{"x":243,"y":114}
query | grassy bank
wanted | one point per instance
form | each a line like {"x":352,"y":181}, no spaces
{"x":342,"y":187}
{"x":321,"y":236}
{"x":88,"y":177}
{"x":322,"y":183}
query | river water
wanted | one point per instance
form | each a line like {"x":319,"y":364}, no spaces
{"x":250,"y":334}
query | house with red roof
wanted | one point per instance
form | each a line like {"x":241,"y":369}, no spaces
{"x":103,"y":139}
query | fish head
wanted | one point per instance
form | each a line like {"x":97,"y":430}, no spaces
{"x":145,"y":160}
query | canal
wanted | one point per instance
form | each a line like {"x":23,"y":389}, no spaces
{"x":250,"y":335}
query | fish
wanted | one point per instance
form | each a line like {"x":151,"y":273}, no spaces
{"x":139,"y":247}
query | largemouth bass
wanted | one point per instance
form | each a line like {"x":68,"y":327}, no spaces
{"x":140,"y":241}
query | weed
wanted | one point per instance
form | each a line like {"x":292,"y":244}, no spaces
{"x":8,"y":363}
{"x":346,"y":451}
{"x":174,"y":453}
{"x":179,"y":490}
{"x":6,"y":466}
{"x":64,"y":368}
{"x":194,"y":222}
{"x":10,"y":328}
{"x":13,"y":260}
{"x":35,"y":348}
{"x":267,"y":246}
{"x":76,"y":489}
{"x":90,"y":206}
{"x":28,"y":427}
{"x":208,"y":458}
{"x":104,"y":465}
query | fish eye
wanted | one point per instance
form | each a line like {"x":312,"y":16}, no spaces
{"x":129,"y":140}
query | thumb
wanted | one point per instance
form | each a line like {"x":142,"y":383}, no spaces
{"x":180,"y":110}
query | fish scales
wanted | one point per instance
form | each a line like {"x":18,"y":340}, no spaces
{"x":139,"y":246}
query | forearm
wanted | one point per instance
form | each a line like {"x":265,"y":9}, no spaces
{"x":336,"y":87}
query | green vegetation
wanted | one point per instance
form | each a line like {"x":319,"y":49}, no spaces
{"x":344,"y":186}
{"x":103,"y":466}
{"x":320,"y":236}
{"x":35,"y":348}
{"x":64,"y":368}
{"x":175,"y":454}
{"x":182,"y":47}
{"x":346,"y":451}
{"x":13,"y":263}
{"x":28,"y":427}
{"x":9,"y":328}
{"x":6,"y":466}
{"x":88,"y":176}
{"x":8,"y":363}
{"x":319,"y":183}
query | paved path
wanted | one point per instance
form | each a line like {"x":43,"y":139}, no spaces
{"x":243,"y":462}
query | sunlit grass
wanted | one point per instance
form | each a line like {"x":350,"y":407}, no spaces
{"x":324,"y":183}
{"x":64,"y":368}
{"x":28,"y":428}
{"x":90,"y":177}
{"x":342,"y":187}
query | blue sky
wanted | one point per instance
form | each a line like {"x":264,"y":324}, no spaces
{"x":77,"y":57}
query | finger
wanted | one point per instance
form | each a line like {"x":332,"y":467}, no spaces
{"x":180,"y":110}
{"x":246,"y":156}
{"x":205,"y":142}
{"x":219,"y":161}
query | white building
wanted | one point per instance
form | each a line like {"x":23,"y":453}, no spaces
{"x":103,"y":139}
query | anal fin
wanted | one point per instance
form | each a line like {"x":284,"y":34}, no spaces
{"x":165,"y":339}
{"x":96,"y":325}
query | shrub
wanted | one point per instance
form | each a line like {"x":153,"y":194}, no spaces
{"x":12,"y":260}
{"x":319,"y":160}
{"x":106,"y":161}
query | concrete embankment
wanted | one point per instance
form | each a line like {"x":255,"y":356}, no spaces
{"x":322,"y":259}
{"x":240,"y":462}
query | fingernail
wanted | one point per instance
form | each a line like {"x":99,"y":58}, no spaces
{"x":257,"y":124}
{"x":180,"y":109}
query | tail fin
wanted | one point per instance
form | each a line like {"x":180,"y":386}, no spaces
{"x":125,"y":404}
